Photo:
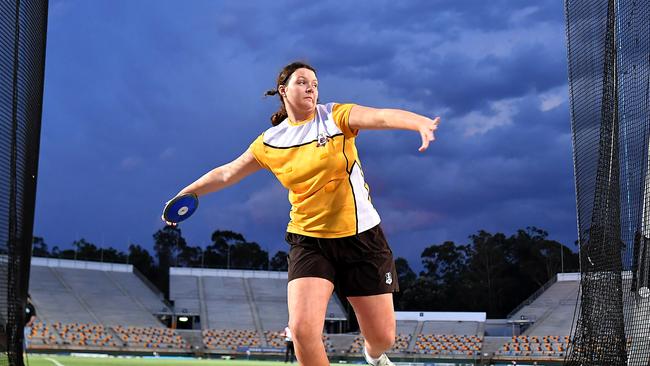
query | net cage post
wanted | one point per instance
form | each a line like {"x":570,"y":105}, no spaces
{"x":23,"y":28}
{"x":608,"y":57}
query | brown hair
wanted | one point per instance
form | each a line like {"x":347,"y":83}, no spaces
{"x":283,"y":78}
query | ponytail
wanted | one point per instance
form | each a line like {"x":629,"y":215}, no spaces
{"x":281,"y":114}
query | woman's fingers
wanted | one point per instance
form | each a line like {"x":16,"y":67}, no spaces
{"x":162,"y":217}
{"x":425,"y":141}
{"x":427,"y":134}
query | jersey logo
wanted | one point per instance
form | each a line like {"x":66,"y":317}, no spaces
{"x":389,"y":278}
{"x":322,"y":139}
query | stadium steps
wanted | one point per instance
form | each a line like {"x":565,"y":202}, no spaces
{"x":540,"y":320}
{"x":134,"y":284}
{"x":254,"y":312}
{"x":192,"y":337}
{"x":546,"y":298}
{"x":414,"y":336}
{"x":493,"y":344}
{"x":481,"y":329}
{"x":203,"y":311}
{"x":336,"y":306}
{"x":557,"y":318}
{"x":42,"y":316}
{"x":116,"y":336}
{"x":81,"y":301}
{"x":57,"y":335}
{"x":341,"y":342}
{"x":126,"y":293}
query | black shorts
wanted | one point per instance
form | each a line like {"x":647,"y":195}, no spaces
{"x":358,"y":265}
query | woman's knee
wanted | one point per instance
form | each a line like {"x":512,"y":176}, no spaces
{"x":381,"y":340}
{"x":303,"y":332}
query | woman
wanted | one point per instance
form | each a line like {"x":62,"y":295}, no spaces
{"x":290,"y":351}
{"x":30,"y":318}
{"x":334,"y":230}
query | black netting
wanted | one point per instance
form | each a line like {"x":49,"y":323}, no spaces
{"x":22,"y":59}
{"x":608,"y":53}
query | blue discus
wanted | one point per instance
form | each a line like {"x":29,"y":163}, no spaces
{"x":181,"y":207}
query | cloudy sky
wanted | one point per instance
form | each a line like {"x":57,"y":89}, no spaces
{"x":142,"y":97}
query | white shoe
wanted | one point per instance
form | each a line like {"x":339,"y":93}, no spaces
{"x":384,"y":361}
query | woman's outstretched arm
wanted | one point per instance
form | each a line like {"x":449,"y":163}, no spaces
{"x":378,"y":119}
{"x":224,"y":175}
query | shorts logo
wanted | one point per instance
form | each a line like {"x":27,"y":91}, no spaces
{"x":389,"y":278}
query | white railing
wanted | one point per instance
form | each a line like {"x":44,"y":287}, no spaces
{"x":70,"y":263}
{"x":238,"y":273}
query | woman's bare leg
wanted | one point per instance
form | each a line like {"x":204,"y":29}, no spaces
{"x":307,"y":300}
{"x":376,"y":318}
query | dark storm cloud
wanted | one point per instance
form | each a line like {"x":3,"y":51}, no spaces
{"x":142,"y":98}
{"x":455,"y":54}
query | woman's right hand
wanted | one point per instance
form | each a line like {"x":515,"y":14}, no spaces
{"x":172,"y":224}
{"x":162,"y":216}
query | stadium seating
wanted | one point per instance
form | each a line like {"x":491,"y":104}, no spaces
{"x":531,"y":346}
{"x":183,"y":290}
{"x":53,"y":300}
{"x":276,"y":340}
{"x":448,"y":344}
{"x":552,"y":310}
{"x":551,"y":314}
{"x":84,"y":305}
{"x":42,"y":333}
{"x":139,"y":291}
{"x":92,"y":293}
{"x":149,"y":337}
{"x":400,"y":346}
{"x":253,"y":303}
{"x":227,"y":293}
{"x":94,"y":335}
{"x":270,"y":296}
{"x":82,"y":334}
{"x":230,"y":339}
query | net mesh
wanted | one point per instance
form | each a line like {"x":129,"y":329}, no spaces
{"x":608,"y":56}
{"x":22,"y":55}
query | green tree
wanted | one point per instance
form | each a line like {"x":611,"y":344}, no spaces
{"x":423,"y":295}
{"x":490,"y":276}
{"x":39,"y":248}
{"x":248,"y":255}
{"x":230,"y":249}
{"x":279,"y":261}
{"x":446,"y":266}
{"x":85,"y":250}
{"x":168,"y":242}
{"x":218,"y":253}
{"x":112,"y":255}
{"x":141,"y":260}
{"x":56,"y":252}
{"x":406,"y":279}
{"x":190,"y":256}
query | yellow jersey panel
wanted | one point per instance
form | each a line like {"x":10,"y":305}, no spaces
{"x":317,"y":162}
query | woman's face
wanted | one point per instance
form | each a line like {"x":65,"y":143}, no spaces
{"x":301,"y":90}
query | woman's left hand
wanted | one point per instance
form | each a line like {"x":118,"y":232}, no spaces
{"x":426,"y":132}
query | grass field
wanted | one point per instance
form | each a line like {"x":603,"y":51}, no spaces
{"x":47,"y":360}
{"x":39,"y":360}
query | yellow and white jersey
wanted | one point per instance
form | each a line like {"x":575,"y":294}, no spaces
{"x":317,"y":161}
